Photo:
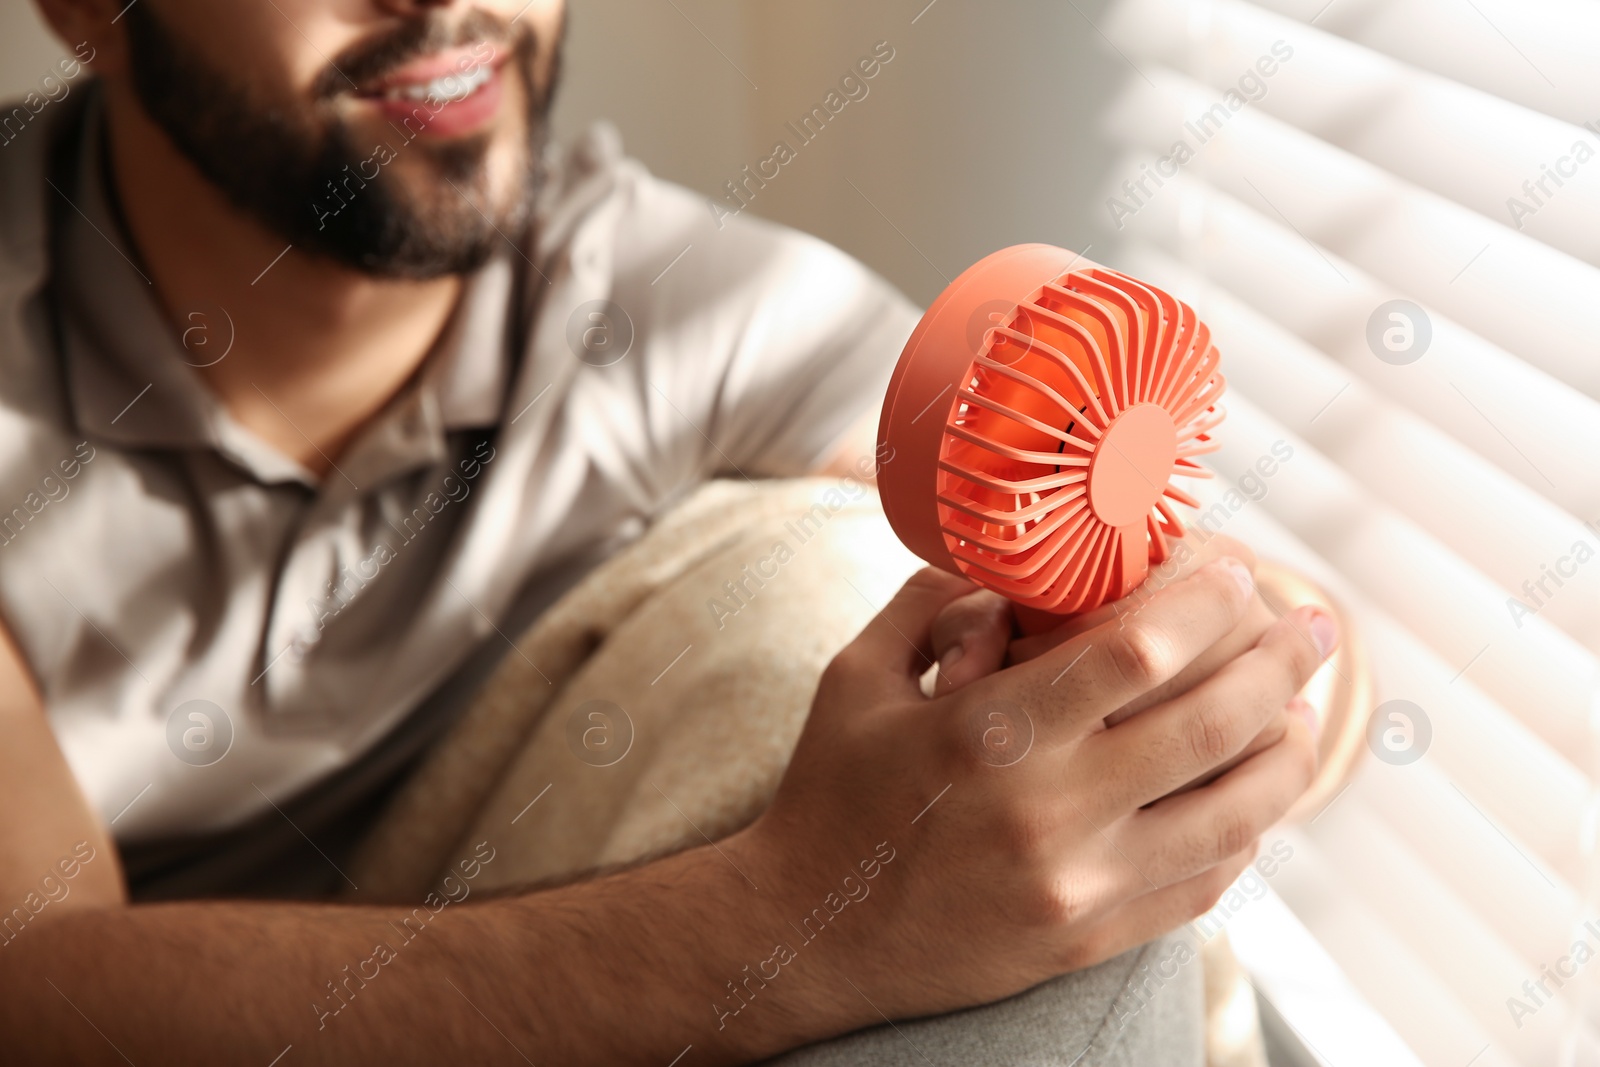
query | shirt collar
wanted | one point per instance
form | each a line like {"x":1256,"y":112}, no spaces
{"x":131,"y":380}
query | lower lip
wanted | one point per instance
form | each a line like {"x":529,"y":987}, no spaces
{"x":455,"y":119}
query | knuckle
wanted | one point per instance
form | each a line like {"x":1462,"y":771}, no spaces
{"x":1231,"y":832}
{"x":842,"y":669}
{"x":1052,"y":904}
{"x":964,"y":742}
{"x":1207,"y":736}
{"x":930,"y":580}
{"x":1140,"y":657}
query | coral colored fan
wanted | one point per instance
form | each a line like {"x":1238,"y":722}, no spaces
{"x":1035,"y":422}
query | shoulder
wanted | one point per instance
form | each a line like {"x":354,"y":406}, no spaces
{"x":33,"y":130}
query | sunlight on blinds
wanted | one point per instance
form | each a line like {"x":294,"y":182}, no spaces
{"x":1389,"y":212}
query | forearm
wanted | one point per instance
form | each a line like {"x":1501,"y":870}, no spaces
{"x":621,"y":969}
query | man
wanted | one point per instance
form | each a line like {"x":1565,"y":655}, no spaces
{"x":320,"y":378}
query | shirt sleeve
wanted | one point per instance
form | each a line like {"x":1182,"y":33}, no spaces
{"x":771,"y":343}
{"x":817,"y":354}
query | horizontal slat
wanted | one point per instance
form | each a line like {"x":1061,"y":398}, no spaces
{"x":1523,"y":781}
{"x":1543,"y":54}
{"x":1509,"y":287}
{"x":1305,"y":985}
{"x":1443,"y":831}
{"x":1404,"y":149}
{"x":1466,"y":145}
{"x":1525,"y":422}
{"x":1530,"y":791}
{"x":1422,"y":910}
{"x":1399,"y":983}
{"x":1478,"y":747}
{"x":1499,"y":525}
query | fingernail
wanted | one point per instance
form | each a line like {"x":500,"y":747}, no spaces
{"x":1313,"y":721}
{"x":1325,"y":632}
{"x":951,"y":657}
{"x":1240,"y":574}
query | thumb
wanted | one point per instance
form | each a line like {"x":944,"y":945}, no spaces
{"x":970,"y":637}
{"x":897,"y":646}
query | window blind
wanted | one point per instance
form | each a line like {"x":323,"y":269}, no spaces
{"x":1294,"y":168}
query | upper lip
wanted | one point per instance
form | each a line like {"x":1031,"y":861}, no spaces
{"x":435,"y":65}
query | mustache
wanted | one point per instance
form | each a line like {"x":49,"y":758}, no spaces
{"x":371,"y":59}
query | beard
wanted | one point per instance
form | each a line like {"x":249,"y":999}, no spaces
{"x":302,"y":172}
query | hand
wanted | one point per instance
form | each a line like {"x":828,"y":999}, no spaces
{"x":982,"y":622}
{"x":1014,"y":865}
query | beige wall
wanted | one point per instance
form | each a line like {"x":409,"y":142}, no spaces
{"x":27,"y":50}
{"x":979,"y":133}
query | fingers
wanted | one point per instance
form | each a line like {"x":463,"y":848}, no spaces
{"x":1092,"y":675}
{"x":1035,"y":645}
{"x":1181,"y":740}
{"x":970,"y":636}
{"x":1151,"y":915}
{"x":896,"y":647}
{"x":1188,"y":554}
{"x":1270,"y":734}
{"x":1182,"y":834}
{"x":1243,"y":637}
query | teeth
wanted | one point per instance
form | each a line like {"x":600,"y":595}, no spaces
{"x":449,"y":88}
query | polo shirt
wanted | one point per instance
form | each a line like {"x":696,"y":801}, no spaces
{"x":217,"y":632}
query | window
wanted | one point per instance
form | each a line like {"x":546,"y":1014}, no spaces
{"x":1389,"y":213}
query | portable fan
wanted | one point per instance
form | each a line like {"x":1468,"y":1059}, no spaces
{"x":1034,"y":425}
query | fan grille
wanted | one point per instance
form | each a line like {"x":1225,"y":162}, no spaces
{"x":1054,"y":483}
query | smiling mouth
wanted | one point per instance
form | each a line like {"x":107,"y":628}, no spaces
{"x":443,"y":78}
{"x":449,"y":88}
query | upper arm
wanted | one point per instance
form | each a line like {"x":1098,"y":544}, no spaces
{"x":803,"y":388}
{"x":763,"y":351}
{"x":53,"y":848}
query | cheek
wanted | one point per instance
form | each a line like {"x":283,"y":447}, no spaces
{"x":259,"y":44}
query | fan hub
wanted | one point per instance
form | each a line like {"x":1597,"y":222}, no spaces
{"x":1132,"y":464}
